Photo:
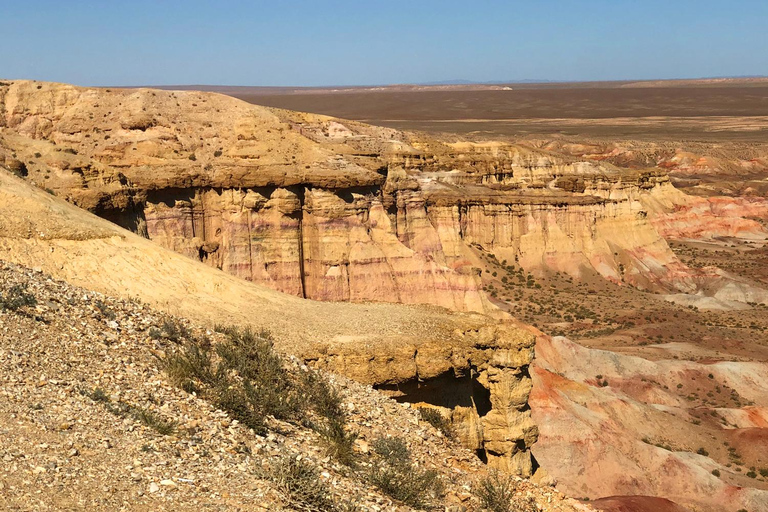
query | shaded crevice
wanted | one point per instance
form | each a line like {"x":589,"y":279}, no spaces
{"x":446,"y":390}
{"x":301,"y":195}
{"x":481,"y":397}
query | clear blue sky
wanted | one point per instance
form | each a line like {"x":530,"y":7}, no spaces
{"x":141,"y":42}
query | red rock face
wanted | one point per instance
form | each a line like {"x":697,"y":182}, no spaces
{"x":632,"y":438}
{"x":636,"y":504}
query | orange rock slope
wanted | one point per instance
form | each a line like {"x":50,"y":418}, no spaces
{"x":614,"y":424}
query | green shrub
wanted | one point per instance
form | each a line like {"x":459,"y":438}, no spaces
{"x":300,"y":483}
{"x":154,"y":421}
{"x":496,"y":493}
{"x":245,"y":377}
{"x":105,"y":311}
{"x":716,"y":472}
{"x":395,"y":474}
{"x":326,"y":403}
{"x":16,"y":298}
{"x":124,"y":410}
{"x":173,"y":330}
{"x":437,"y":420}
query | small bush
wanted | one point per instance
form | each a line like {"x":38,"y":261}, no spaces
{"x":397,"y":476}
{"x":340,"y":442}
{"x":154,"y":421}
{"x":716,"y":472}
{"x":702,"y":451}
{"x":16,"y":298}
{"x":301,"y":485}
{"x":97,"y":395}
{"x":326,"y":402}
{"x":105,"y":311}
{"x":245,"y":377}
{"x":217,"y":153}
{"x":495,"y":492}
{"x":174,"y":330}
{"x":123,"y":410}
{"x":19,"y":169}
{"x":437,"y":420}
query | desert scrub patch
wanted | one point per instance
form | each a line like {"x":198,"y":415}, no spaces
{"x":496,"y":493}
{"x":105,"y":310}
{"x":300,"y":483}
{"x":17,"y":297}
{"x":171,"y":330}
{"x":394,"y":473}
{"x":437,"y":420}
{"x":326,"y":403}
{"x":125,"y":410}
{"x":247,"y":378}
{"x":153,"y":421}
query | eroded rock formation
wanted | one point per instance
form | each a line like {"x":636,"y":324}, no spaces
{"x":480,"y":380}
{"x":332,"y":210}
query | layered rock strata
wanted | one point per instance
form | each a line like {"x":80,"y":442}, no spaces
{"x":480,"y":381}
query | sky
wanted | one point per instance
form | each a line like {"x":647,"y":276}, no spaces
{"x":369,"y":42}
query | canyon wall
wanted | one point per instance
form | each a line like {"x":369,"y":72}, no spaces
{"x":332,"y":210}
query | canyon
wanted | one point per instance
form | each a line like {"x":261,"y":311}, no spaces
{"x":342,"y":212}
{"x":443,"y":264}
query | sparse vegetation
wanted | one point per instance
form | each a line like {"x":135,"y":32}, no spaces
{"x":172,"y":330}
{"x":245,"y":377}
{"x":437,"y":420}
{"x":300,"y":483}
{"x":125,"y":410}
{"x":395,"y":474}
{"x":106,"y":312}
{"x":496,"y":493}
{"x":16,"y":297}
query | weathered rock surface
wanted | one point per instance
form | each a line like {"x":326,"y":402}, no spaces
{"x":480,"y":379}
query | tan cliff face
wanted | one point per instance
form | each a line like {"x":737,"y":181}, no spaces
{"x":327,"y":209}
